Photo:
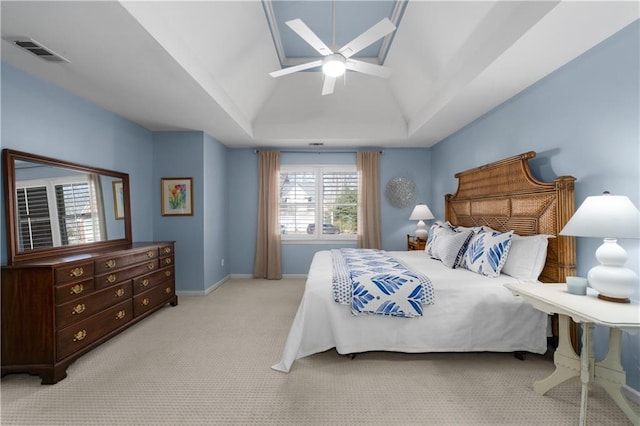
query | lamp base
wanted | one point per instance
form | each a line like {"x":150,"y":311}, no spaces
{"x":614,"y":299}
{"x":610,"y":278}
{"x":421,"y":231}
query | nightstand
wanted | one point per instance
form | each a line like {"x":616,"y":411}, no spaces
{"x":415,"y":243}
{"x":589,"y":311}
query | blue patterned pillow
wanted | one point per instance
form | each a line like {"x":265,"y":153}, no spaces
{"x":487,"y":252}
{"x":450,"y":247}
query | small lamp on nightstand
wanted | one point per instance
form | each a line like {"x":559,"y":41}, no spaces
{"x":608,"y":216}
{"x":421,"y":213}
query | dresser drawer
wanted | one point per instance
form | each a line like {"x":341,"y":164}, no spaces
{"x":84,"y":307}
{"x":77,"y":272}
{"x":158,"y":295}
{"x":106,"y":280}
{"x":148,"y":281}
{"x":74,"y":290}
{"x":166,"y":250}
{"x":166,"y":261}
{"x":122,"y":260}
{"x":75,"y":337}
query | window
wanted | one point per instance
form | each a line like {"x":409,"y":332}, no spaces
{"x":318,"y":202}
{"x":54,"y":212}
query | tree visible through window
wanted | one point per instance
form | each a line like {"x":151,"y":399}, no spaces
{"x":318,"y":202}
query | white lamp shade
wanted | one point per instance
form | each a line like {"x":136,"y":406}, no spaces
{"x":611,"y":216}
{"x":421,"y":212}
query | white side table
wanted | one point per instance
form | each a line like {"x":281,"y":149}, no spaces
{"x":587,"y":310}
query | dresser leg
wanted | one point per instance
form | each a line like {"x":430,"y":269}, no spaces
{"x":565,"y":359}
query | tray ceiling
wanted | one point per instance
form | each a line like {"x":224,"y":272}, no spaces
{"x":203,"y":65}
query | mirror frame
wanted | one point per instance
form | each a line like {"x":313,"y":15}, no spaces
{"x":14,"y":256}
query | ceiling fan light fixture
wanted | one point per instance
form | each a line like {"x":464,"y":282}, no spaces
{"x":334,"y":65}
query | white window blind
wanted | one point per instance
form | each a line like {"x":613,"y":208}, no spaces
{"x":34,"y":221}
{"x":52,"y":214}
{"x":318,"y":202}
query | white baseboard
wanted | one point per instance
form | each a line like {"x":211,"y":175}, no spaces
{"x":204,"y":292}
{"x":631,"y":393}
{"x":283,"y":276}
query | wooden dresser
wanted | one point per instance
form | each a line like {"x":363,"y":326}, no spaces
{"x":56,"y":309}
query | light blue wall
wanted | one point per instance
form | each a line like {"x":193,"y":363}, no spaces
{"x":216,"y":207}
{"x":296,"y":258}
{"x":583,"y":121}
{"x":43,"y":119}
{"x":202,"y":239}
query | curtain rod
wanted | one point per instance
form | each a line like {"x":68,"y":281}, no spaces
{"x":293,"y":151}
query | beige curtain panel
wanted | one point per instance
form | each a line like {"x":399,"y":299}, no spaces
{"x":368,"y":164}
{"x":268,"y":263}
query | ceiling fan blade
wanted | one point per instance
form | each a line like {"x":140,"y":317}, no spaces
{"x":328,"y":85}
{"x":368,"y":68}
{"x":368,"y":37}
{"x":296,"y":68}
{"x":309,"y":36}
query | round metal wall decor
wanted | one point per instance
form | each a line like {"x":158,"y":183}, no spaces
{"x":401,"y":192}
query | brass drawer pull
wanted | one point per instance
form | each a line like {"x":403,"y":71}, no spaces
{"x":78,"y":309}
{"x":145,"y":301}
{"x":76,"y":272}
{"x":144,"y":282}
{"x":119,"y":292}
{"x":167,"y":290}
{"x":167,"y":274}
{"x":120,"y":315}
{"x":167,"y":261}
{"x":150,"y":266}
{"x":167,"y":250}
{"x":151,"y":254}
{"x":77,"y":289}
{"x":112,"y":278}
{"x":80,"y":335}
{"x":110,"y":263}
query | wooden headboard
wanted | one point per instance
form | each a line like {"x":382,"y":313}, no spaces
{"x":505,"y":196}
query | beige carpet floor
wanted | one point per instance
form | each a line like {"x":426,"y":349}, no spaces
{"x":207,"y":362}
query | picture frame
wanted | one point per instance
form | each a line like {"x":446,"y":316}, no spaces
{"x":118,"y":199}
{"x":177,"y":196}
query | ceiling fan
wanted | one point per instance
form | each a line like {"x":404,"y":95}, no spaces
{"x":335,"y":63}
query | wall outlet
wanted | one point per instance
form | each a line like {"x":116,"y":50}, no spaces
{"x":222,"y":262}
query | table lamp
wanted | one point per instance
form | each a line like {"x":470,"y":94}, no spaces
{"x":421,"y":213}
{"x":610,"y":217}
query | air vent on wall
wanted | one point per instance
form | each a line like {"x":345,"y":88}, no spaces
{"x":38,"y":49}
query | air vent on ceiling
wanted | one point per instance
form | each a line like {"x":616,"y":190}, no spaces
{"x":38,"y":49}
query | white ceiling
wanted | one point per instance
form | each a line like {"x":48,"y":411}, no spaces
{"x":204,"y":65}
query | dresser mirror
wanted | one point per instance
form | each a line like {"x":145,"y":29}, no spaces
{"x":54,"y":207}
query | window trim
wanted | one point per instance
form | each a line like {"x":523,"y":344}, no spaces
{"x":318,"y":170}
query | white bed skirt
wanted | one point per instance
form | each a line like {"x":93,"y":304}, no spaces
{"x":471,"y":313}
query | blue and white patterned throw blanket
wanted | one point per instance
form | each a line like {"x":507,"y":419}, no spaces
{"x":374,"y":283}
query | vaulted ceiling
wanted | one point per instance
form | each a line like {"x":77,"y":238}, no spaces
{"x":204,"y":65}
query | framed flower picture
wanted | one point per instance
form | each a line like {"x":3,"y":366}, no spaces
{"x":177,"y":196}
{"x":118,"y":199}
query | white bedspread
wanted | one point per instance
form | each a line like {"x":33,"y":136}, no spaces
{"x":471,"y":313}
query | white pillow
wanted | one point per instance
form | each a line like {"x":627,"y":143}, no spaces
{"x":450,"y":246}
{"x":487,"y":252}
{"x":527,"y":256}
{"x":436,"y":228}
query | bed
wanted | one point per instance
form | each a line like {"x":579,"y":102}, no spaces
{"x":471,"y":312}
